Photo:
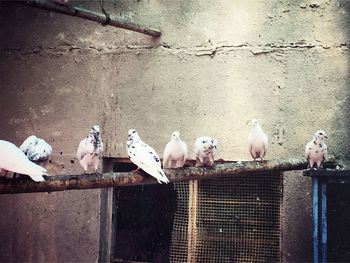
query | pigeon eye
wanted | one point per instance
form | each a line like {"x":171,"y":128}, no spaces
{"x":212,"y":141}
{"x":133,"y":131}
{"x":321,"y":133}
{"x":204,"y":141}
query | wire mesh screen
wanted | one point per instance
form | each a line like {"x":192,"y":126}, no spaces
{"x":233,"y":219}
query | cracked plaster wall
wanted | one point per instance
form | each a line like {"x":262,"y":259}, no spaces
{"x":217,"y":65}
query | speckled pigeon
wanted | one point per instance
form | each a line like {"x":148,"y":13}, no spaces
{"x":204,"y":150}
{"x":90,"y":150}
{"x":316,"y":150}
{"x":37,"y":150}
{"x":144,"y":156}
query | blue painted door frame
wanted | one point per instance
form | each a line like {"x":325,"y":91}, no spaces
{"x":320,"y":180}
{"x":319,"y":190}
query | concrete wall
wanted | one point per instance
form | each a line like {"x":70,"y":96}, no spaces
{"x":217,"y":65}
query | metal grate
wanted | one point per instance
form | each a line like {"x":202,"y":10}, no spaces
{"x":233,"y":219}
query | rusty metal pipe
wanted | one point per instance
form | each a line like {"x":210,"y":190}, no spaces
{"x":93,"y":16}
{"x":90,"y":181}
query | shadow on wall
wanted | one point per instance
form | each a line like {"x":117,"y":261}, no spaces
{"x":341,"y":118}
{"x":338,"y":201}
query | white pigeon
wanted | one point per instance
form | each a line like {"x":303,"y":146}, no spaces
{"x":316,"y":150}
{"x":204,"y":150}
{"x":175,"y":152}
{"x":37,"y":150}
{"x":14,"y":160}
{"x":257,"y":141}
{"x":90,"y":150}
{"x":144,"y":156}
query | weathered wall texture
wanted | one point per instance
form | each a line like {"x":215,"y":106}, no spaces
{"x":217,"y":65}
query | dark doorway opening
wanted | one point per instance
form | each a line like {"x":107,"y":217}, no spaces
{"x":338,"y":228}
{"x":143,"y":220}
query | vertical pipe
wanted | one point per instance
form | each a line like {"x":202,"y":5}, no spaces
{"x":192,"y":221}
{"x":315,"y":216}
{"x":324,"y":221}
{"x":92,"y":16}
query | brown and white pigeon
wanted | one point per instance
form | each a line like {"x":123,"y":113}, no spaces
{"x":316,"y":150}
{"x":144,"y":156}
{"x":257,"y":141}
{"x":204,"y":150}
{"x":14,"y":160}
{"x":90,"y":150}
{"x":175,"y":152}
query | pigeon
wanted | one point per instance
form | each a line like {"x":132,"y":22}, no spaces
{"x":175,"y":152}
{"x":204,"y":151}
{"x":14,"y":160}
{"x":257,"y":141}
{"x":37,"y":150}
{"x":316,"y":150}
{"x":90,"y":150}
{"x":144,"y":156}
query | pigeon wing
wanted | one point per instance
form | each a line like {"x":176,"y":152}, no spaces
{"x":185,"y":150}
{"x":26,"y":145}
{"x":39,"y":151}
{"x":81,"y":149}
{"x":166,"y":155}
{"x":265,"y":143}
{"x":47,"y":147}
{"x":14,"y":160}
{"x":145,"y":157}
{"x":308,"y":150}
{"x":325,"y":153}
